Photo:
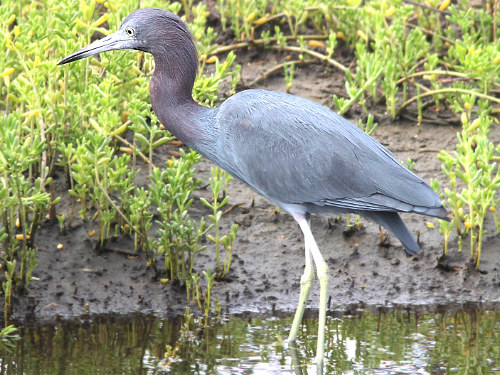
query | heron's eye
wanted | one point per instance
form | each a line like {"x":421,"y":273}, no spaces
{"x":130,"y":31}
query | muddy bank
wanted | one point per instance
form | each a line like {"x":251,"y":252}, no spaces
{"x":268,"y":257}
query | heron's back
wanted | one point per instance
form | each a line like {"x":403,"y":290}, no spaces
{"x":299,"y":153}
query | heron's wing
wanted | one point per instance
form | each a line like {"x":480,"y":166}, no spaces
{"x":295,"y":151}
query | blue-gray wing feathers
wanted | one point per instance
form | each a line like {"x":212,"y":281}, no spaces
{"x":303,"y":156}
{"x":295,"y":151}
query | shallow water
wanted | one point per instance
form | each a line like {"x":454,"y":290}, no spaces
{"x":464,"y":342}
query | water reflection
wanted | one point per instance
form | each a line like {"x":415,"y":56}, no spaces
{"x":465,"y":342}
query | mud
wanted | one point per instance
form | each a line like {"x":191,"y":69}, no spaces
{"x":268,"y":260}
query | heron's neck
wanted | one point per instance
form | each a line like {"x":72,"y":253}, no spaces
{"x":171,"y":98}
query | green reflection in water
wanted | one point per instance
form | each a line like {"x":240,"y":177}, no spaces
{"x":465,"y":342}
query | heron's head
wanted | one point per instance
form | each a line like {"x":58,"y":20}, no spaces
{"x":150,"y":30}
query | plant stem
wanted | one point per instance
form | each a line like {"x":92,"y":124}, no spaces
{"x":447,"y":90}
{"x":140,"y":154}
{"x":367,"y":84}
{"x":113,"y":204}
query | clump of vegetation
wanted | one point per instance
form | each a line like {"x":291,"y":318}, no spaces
{"x":23,"y":203}
{"x":218,"y":184}
{"x":179,"y":236}
{"x":92,"y":122}
{"x":474,"y":180}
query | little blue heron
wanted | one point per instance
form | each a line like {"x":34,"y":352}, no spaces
{"x":301,"y":156}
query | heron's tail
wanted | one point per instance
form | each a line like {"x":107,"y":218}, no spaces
{"x":392,"y":222}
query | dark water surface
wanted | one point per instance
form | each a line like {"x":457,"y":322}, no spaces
{"x":463,"y":342}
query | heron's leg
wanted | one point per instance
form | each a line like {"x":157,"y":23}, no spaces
{"x":306,"y":282}
{"x":322,"y":271}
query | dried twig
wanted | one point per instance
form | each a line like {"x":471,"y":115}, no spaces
{"x":308,"y":9}
{"x":424,"y":6}
{"x":272,"y":71}
{"x":431,"y":72}
{"x":259,"y":42}
{"x":314,"y":54}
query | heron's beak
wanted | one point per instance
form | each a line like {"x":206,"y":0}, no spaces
{"x":117,"y":40}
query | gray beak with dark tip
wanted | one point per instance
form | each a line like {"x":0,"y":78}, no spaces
{"x":117,"y":40}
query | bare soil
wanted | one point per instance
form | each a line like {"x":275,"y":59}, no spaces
{"x":268,"y":259}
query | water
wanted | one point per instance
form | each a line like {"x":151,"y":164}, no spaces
{"x":464,"y":342}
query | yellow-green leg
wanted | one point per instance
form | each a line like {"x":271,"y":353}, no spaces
{"x":306,"y":282}
{"x":312,"y":250}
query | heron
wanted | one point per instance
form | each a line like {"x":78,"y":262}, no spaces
{"x":300,"y":155}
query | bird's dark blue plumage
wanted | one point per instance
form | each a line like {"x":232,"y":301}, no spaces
{"x":306,"y":158}
{"x":300,"y":155}
{"x":322,"y":159}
